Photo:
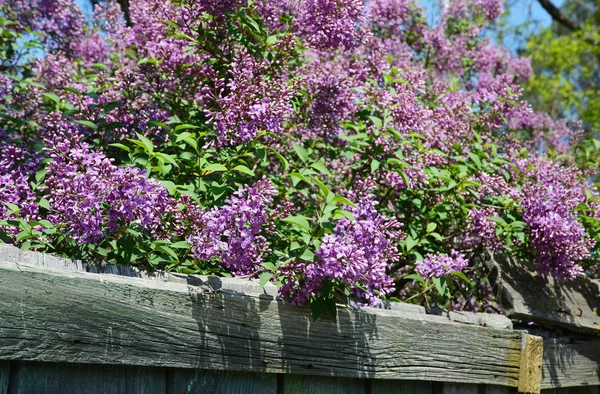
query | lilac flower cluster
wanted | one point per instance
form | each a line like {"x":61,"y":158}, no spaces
{"x":330,"y":24}
{"x":357,"y":254}
{"x":557,"y":237}
{"x":232,"y":233}
{"x":438,"y":265}
{"x":249,"y":102}
{"x":17,"y":167}
{"x":91,"y":198}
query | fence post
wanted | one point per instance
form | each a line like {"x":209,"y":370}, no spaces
{"x":530,"y":370}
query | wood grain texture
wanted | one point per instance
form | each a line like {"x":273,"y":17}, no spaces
{"x":532,"y":353}
{"x":197,"y":381}
{"x":63,"y":378}
{"x":11,"y":254}
{"x":80,"y":317}
{"x":571,"y":361}
{"x":400,"y":387}
{"x":295,"y":384}
{"x":4,"y":376}
{"x":525,"y":295}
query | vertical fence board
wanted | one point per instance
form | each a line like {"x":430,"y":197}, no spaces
{"x":298,"y":384}
{"x":142,"y":380}
{"x":573,"y":390}
{"x":400,"y":387}
{"x":487,"y":389}
{"x":455,"y":388}
{"x":35,"y":378}
{"x":198,"y":381}
{"x":4,"y":373}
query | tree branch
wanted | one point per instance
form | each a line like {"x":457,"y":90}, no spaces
{"x":558,"y":16}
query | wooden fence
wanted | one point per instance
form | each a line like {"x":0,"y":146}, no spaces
{"x":68,"y":327}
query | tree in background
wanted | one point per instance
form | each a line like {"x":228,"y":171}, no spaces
{"x":566,"y":62}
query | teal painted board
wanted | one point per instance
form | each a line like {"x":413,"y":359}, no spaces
{"x":298,"y":384}
{"x":198,"y":381}
{"x":4,"y":374}
{"x":400,"y":387}
{"x":49,"y":378}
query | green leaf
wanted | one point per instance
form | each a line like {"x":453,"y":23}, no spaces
{"x":409,"y":243}
{"x":216,"y":167}
{"x":440,"y":285}
{"x":321,"y":168}
{"x":302,"y":153}
{"x":12,"y":208}
{"x":271,"y":40}
{"x":243,"y":169}
{"x":475,"y":159}
{"x":341,"y":213}
{"x":416,"y":277}
{"x":180,"y":245}
{"x":299,"y":221}
{"x":431,"y":227}
{"x":301,"y":177}
{"x":99,"y":66}
{"x":265,"y":278}
{"x":344,"y":200}
{"x":147,"y":143}
{"x":183,"y":36}
{"x":167,"y":158}
{"x":461,"y":276}
{"x":324,"y":189}
{"x":185,"y":127}
{"x":87,"y":124}
{"x":44,"y":203}
{"x":376,"y":121}
{"x":497,"y":219}
{"x":121,"y":146}
{"x":308,"y":255}
{"x":375,"y":165}
{"x":52,"y":97}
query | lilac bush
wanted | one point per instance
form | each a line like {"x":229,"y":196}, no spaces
{"x":346,"y":151}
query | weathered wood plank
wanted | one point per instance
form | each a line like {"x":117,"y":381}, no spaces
{"x":35,"y":378}
{"x":4,"y":375}
{"x":525,"y":295}
{"x":400,"y":387}
{"x":198,"y":381}
{"x":294,"y":384}
{"x":51,"y":315}
{"x":571,"y":361}
{"x":9,"y":253}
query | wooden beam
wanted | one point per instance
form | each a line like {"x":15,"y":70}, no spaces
{"x":80,"y":317}
{"x":527,"y":296}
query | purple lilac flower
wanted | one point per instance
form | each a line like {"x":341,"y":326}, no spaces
{"x":232,"y":233}
{"x":330,"y":24}
{"x":556,"y":236}
{"x":438,"y":265}
{"x":92,"y":198}
{"x":355,"y":253}
{"x":17,"y":165}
